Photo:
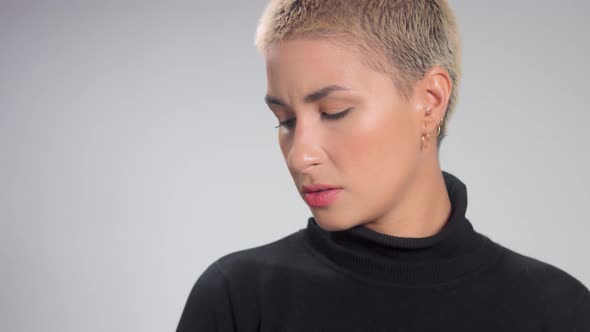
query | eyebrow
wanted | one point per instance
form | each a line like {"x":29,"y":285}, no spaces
{"x":310,"y":98}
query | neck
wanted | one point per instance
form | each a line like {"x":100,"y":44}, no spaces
{"x":423,"y":210}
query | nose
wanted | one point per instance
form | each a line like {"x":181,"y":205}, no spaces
{"x":305,"y":149}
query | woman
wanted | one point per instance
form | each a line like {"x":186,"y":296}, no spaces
{"x":362,"y":91}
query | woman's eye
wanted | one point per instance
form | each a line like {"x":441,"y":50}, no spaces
{"x":291,"y":122}
{"x":287,"y":123}
{"x":338,"y":115}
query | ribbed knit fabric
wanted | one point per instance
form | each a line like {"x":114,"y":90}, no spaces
{"x":455,"y":251}
{"x":361,"y":280}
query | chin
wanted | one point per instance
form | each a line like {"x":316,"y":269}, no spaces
{"x":333,"y":222}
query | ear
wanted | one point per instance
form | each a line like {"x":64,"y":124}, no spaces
{"x":432,"y":92}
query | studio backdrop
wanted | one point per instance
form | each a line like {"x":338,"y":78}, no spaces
{"x":136,"y":149}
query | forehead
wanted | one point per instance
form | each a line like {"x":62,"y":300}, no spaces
{"x":317,"y":52}
{"x":309,"y":63}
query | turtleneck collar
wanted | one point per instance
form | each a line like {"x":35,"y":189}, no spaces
{"x":456,"y":250}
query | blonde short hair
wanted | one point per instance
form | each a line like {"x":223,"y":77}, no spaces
{"x":403,"y":38}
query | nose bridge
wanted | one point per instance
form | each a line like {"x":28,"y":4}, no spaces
{"x":305,"y":148}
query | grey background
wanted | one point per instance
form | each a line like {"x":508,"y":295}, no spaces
{"x":135,"y":149}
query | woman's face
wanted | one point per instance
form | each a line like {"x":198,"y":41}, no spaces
{"x":371,"y":152}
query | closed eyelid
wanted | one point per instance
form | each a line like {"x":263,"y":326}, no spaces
{"x":288,"y":123}
{"x":316,"y":96}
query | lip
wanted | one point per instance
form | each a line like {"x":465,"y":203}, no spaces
{"x":322,"y":198}
{"x":317,"y":187}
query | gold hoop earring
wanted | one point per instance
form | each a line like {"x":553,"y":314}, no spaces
{"x":439,"y":125}
{"x":425,"y":143}
{"x":425,"y":138}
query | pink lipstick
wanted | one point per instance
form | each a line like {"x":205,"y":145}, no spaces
{"x":320,"y":195}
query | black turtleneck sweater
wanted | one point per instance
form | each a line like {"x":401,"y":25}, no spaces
{"x":361,"y":280}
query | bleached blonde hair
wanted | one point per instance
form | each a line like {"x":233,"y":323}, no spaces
{"x":402,"y":38}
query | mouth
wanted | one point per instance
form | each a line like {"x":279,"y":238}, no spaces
{"x":322,"y":197}
{"x":318,"y":188}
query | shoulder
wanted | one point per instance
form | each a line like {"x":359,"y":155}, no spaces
{"x":538,"y":273}
{"x":253,"y":261}
{"x":226,"y":293}
{"x":243,"y":269}
{"x":563,"y":298}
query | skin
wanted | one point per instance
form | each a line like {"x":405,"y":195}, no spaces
{"x":389,"y":183}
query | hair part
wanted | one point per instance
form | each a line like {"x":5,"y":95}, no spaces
{"x":401,"y":38}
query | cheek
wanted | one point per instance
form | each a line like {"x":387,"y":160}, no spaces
{"x":381,"y":144}
{"x":284,"y":146}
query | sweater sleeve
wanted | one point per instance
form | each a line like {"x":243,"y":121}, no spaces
{"x":208,"y":307}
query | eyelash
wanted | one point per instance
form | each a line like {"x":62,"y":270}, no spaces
{"x":336,"y":116}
